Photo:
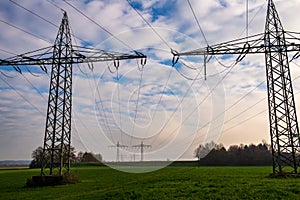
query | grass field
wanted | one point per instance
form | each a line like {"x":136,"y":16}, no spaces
{"x":168,"y":183}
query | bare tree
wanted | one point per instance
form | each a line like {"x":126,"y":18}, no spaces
{"x":37,"y":156}
{"x":203,"y":150}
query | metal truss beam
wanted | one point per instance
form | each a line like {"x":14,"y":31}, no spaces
{"x":249,"y":45}
{"x":77,"y":55}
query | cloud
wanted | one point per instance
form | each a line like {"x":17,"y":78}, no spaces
{"x":96,"y":105}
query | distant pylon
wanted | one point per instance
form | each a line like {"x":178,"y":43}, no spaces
{"x":118,"y":146}
{"x":142,"y":146}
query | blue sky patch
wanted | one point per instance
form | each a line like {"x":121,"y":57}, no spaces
{"x":223,"y":3}
{"x":227,"y":56}
{"x":137,"y":5}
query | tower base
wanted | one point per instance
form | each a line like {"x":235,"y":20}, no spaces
{"x":51,"y":180}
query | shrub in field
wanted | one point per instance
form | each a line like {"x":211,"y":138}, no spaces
{"x":52,"y":180}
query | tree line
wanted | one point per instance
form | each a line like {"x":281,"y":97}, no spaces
{"x":211,"y":154}
{"x":37,"y":156}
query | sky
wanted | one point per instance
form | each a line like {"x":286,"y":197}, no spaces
{"x":172,"y":109}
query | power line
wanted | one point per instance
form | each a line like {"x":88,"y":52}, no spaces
{"x":20,"y":29}
{"x":196,"y":77}
{"x":251,"y":20}
{"x":203,"y":100}
{"x":199,"y":26}
{"x":180,"y":103}
{"x":60,"y":93}
{"x":100,"y":99}
{"x":244,"y":121}
{"x":106,"y":124}
{"x":190,"y":114}
{"x":21,"y":95}
{"x":252,"y":107}
{"x":259,"y":113}
{"x":137,"y":103}
{"x":202,"y":32}
{"x":23,"y":76}
{"x":247,"y":16}
{"x":203,"y":35}
{"x":239,"y":58}
{"x":8,"y":52}
{"x":48,"y":21}
{"x":49,"y":1}
{"x":34,"y":87}
{"x":39,"y":16}
{"x":44,"y":19}
{"x":233,"y":105}
{"x":160,"y":98}
{"x":243,"y":97}
{"x":242,"y":112}
{"x":119,"y":106}
{"x":220,"y":81}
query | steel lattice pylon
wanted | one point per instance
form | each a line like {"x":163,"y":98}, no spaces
{"x":57,"y":140}
{"x":61,"y":56}
{"x":284,"y":130}
{"x":275,"y":43}
{"x":142,"y":146}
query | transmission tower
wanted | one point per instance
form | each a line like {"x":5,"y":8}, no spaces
{"x":61,"y":56}
{"x":142,"y":146}
{"x":275,"y":43}
{"x":118,"y":146}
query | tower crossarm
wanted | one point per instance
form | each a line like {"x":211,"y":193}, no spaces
{"x":86,"y":55}
{"x":249,"y":45}
{"x":79,"y":54}
{"x":142,"y":146}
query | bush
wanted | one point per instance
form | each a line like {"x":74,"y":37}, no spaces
{"x":52,"y":180}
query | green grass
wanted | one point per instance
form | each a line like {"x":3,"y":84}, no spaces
{"x":98,"y":182}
